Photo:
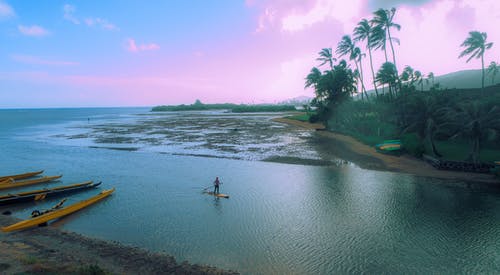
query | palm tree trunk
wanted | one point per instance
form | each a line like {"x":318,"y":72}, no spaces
{"x":482,"y":65}
{"x":392,"y":48}
{"x":393,"y":56}
{"x":362,"y":78}
{"x":373,"y":72}
{"x":474,"y":154}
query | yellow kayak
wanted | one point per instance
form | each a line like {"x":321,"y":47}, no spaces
{"x":12,"y":184}
{"x":20,"y":176}
{"x":58,"y":213}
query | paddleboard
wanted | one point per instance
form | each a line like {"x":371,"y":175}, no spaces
{"x":218,"y":195}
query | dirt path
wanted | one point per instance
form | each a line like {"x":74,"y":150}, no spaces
{"x":367,"y":157}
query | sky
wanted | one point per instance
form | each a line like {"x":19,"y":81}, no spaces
{"x":167,"y":52}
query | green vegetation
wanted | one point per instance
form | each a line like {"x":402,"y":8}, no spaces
{"x":235,"y":108}
{"x":92,"y":270}
{"x":262,"y":108}
{"x":305,"y":117}
{"x":453,"y":124}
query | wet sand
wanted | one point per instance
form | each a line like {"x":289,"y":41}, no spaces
{"x":367,"y":157}
{"x":49,"y":250}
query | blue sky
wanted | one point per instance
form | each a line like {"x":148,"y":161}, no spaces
{"x":145,"y":53}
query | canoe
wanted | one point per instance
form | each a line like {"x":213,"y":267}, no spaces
{"x":58,"y":213}
{"x":20,"y":176}
{"x":42,"y":194}
{"x":218,"y":195}
{"x":13,"y":184}
{"x":389,"y":147}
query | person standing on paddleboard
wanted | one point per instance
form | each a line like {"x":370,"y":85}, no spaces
{"x":216,"y":185}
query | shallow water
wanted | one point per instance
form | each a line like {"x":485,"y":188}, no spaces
{"x":279,"y":219}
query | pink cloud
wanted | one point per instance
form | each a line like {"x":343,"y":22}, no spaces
{"x":103,"y":23}
{"x":33,"y":30}
{"x":6,"y":11}
{"x":133,"y":47}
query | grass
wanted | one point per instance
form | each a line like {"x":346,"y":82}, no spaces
{"x":459,"y":151}
{"x":29,"y":260}
{"x":304,"y":117}
{"x":92,"y":270}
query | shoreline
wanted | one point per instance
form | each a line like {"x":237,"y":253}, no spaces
{"x":51,"y":250}
{"x":368,"y":158}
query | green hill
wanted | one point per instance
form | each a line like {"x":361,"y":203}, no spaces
{"x":463,"y":80}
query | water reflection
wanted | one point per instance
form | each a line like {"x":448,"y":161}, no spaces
{"x":280,"y":218}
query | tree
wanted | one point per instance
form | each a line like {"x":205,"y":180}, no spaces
{"x":384,"y":20}
{"x":326,"y":56}
{"x":347,"y":47}
{"x":379,"y":39}
{"x":422,"y":116}
{"x":387,"y":74}
{"x":312,"y":79}
{"x":475,"y":45}
{"x":363,"y":32}
{"x":419,"y":79}
{"x":408,"y":76}
{"x":430,"y":77}
{"x":331,"y":88}
{"x":476,"y":121}
{"x":493,"y":70}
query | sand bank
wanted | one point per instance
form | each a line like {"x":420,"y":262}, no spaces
{"x":367,"y":157}
{"x":51,"y":250}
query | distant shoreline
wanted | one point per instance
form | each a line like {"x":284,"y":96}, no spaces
{"x":367,"y":157}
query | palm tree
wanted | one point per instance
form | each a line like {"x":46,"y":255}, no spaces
{"x":408,"y":76}
{"x":312,"y":79}
{"x":493,"y":69}
{"x":364,"y":32}
{"x":430,"y":77}
{"x":419,"y":80}
{"x":384,"y":19}
{"x":476,"y":121}
{"x":475,"y":45}
{"x":379,"y":39}
{"x":347,"y":47}
{"x":326,"y":56}
{"x":423,"y":115}
{"x":387,"y":74}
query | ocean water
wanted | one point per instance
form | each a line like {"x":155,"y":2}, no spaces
{"x":279,"y":219}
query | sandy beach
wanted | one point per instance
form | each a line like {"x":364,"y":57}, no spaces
{"x":49,"y":250}
{"x":367,"y":157}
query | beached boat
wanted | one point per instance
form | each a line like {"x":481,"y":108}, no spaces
{"x":42,"y":194}
{"x":218,"y":195}
{"x":392,"y":147}
{"x":13,"y":184}
{"x":57,"y":213}
{"x":20,"y":176}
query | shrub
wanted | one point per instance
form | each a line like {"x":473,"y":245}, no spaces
{"x":413,"y":144}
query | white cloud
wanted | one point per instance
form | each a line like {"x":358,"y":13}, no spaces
{"x":69,"y":11}
{"x":133,"y":47}
{"x":34,"y":30}
{"x":6,"y":11}
{"x":343,"y":11}
{"x":70,"y":15}
{"x":265,"y":19}
{"x":28,"y":59}
{"x":99,"y":22}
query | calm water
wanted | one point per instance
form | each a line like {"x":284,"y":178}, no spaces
{"x":280,"y":219}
